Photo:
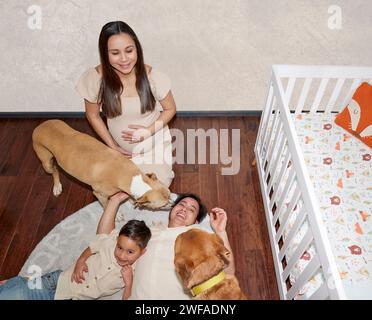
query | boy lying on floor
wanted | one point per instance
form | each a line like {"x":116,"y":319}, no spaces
{"x":103,"y":269}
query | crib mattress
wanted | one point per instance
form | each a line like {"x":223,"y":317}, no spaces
{"x":340,"y":168}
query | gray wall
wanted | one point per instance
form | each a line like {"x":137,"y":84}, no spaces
{"x":217,"y":53}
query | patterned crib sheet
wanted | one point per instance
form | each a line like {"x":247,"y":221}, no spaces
{"x":340,"y":168}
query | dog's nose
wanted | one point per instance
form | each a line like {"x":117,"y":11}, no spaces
{"x":168,"y":205}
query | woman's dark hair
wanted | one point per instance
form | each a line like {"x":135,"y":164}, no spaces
{"x":137,"y":231}
{"x":202,"y":208}
{"x":111,"y":85}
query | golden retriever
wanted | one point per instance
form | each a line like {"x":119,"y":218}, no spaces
{"x":199,"y":256}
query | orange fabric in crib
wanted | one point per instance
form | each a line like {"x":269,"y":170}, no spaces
{"x":356,"y":118}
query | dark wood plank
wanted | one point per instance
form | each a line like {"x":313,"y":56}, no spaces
{"x":12,"y":213}
{"x":21,"y":243}
{"x":7,"y":140}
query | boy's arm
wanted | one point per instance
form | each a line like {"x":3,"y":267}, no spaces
{"x":218,"y":218}
{"x":81,"y":266}
{"x":107,"y":222}
{"x":127,"y":274}
{"x":127,"y":292}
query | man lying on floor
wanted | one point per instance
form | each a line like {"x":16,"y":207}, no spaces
{"x":155,"y":276}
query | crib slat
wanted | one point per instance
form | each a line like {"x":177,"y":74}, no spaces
{"x":287,"y":214}
{"x":304,"y":277}
{"x":275,"y":163}
{"x":277,"y":153}
{"x":283,"y":202}
{"x":269,"y":129}
{"x":289,"y":90}
{"x":284,"y":193}
{"x":274,"y":180}
{"x":304,"y":244}
{"x":336,"y":92}
{"x":283,"y":169}
{"x":303,"y":96}
{"x":321,"y":293}
{"x":284,"y":190}
{"x":267,"y":117}
{"x":296,"y":226}
{"x":349,"y":95}
{"x":270,"y":141}
{"x":319,"y":95}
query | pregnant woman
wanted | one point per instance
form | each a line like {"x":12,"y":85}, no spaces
{"x":126,"y":90}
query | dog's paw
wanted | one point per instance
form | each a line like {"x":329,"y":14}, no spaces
{"x":57,"y":190}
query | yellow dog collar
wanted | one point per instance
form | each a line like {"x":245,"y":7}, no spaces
{"x":207,"y":284}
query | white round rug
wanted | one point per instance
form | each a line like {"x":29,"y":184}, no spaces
{"x":61,"y":247}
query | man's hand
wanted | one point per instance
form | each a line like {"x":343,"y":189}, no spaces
{"x":78,"y":274}
{"x":218,"y":218}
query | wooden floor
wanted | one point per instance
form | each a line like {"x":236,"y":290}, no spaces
{"x":28,"y":209}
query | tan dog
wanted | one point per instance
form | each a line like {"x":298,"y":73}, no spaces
{"x":200,"y":258}
{"x":107,"y":171}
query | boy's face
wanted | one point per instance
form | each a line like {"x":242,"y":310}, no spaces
{"x":127,"y":251}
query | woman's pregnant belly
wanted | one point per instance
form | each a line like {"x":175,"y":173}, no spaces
{"x":118,"y":124}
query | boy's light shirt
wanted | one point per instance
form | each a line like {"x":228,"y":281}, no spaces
{"x":104,"y":273}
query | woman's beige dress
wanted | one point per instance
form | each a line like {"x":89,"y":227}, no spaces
{"x":154,"y":154}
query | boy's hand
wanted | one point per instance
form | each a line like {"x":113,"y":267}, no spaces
{"x":119,"y":197}
{"x":78,"y":274}
{"x":127,"y":274}
{"x":218,"y":218}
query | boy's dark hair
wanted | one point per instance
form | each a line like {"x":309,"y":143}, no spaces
{"x":202,"y":208}
{"x":137,"y":231}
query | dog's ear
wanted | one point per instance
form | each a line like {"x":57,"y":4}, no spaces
{"x":184,"y":269}
{"x":152,"y":176}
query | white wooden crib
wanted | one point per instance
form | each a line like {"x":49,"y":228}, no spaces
{"x":299,"y":89}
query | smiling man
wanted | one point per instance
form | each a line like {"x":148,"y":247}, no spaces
{"x":155,"y":276}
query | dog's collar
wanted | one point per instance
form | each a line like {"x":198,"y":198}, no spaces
{"x":207,"y":284}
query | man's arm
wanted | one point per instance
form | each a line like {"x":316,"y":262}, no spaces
{"x":218,"y":218}
{"x":107,"y":222}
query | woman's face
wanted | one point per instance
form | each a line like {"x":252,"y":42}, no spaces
{"x":122,"y":53}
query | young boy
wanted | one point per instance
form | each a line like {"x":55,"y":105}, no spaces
{"x":104,"y":268}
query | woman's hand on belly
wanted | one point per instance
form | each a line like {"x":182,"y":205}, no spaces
{"x":139,"y":133}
